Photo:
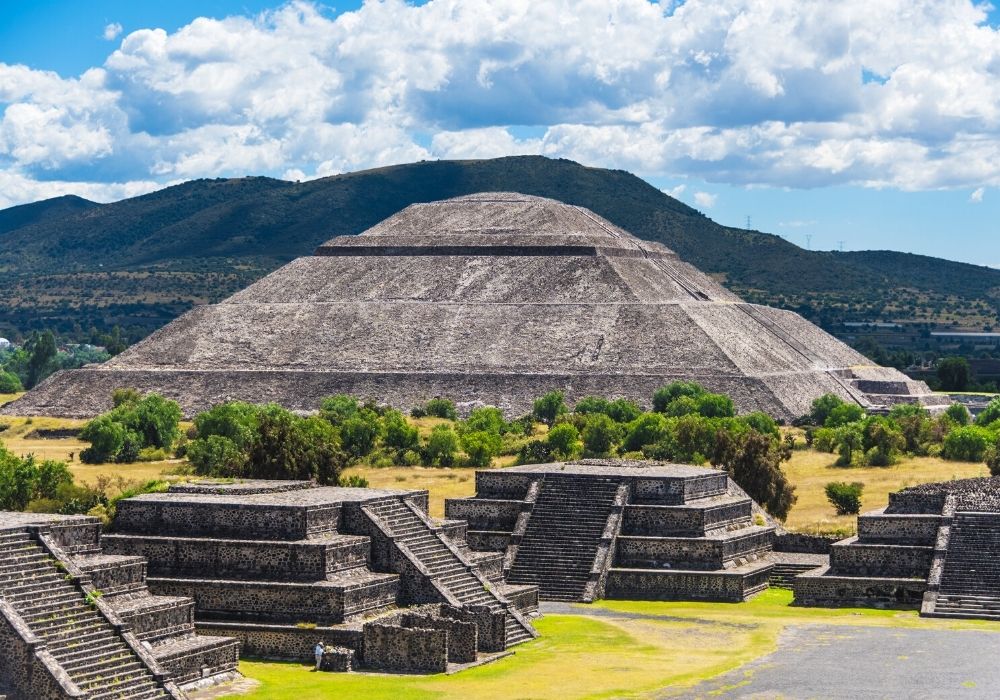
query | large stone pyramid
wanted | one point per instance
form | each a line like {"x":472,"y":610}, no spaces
{"x":492,"y":298}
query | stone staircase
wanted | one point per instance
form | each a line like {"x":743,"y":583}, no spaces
{"x":783,"y":574}
{"x":970,"y":582}
{"x":445,"y":564}
{"x":561,"y":542}
{"x":85,"y":644}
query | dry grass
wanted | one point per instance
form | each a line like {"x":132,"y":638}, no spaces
{"x":441,"y":482}
{"x":17,"y":439}
{"x":810,"y":471}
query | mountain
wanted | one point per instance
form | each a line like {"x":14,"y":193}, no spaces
{"x":142,"y":261}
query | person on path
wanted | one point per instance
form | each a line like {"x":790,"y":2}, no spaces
{"x":318,"y":651}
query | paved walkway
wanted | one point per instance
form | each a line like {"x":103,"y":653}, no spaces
{"x":840,"y":662}
{"x":861,"y":663}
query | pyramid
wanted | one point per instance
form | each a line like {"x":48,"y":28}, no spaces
{"x":493,"y":298}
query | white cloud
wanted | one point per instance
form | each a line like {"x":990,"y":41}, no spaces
{"x":675,"y":192}
{"x":112,"y":31}
{"x":977,"y":195}
{"x":730,"y":91}
{"x":704,"y":199}
{"x":796,"y":223}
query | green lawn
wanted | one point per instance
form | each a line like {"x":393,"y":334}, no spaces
{"x":577,"y":657}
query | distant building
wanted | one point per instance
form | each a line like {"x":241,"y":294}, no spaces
{"x":4,"y":344}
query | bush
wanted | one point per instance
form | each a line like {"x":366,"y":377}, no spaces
{"x":549,"y":407}
{"x":354,"y":481}
{"x":681,"y":406}
{"x":106,"y":437}
{"x":217,"y":455}
{"x":954,"y":373}
{"x":485,"y":419}
{"x":967,"y":444}
{"x":442,"y":446}
{"x":762,"y":423}
{"x":337,"y":409}
{"x":592,"y":404}
{"x":9,"y":383}
{"x":823,"y":406}
{"x":441,"y":408}
{"x":848,"y":439}
{"x":993,"y":458}
{"x":133,"y":424}
{"x":824,"y":439}
{"x":716,"y":406}
{"x":844,"y":414}
{"x":990,"y":414}
{"x":665,"y":395}
{"x":564,"y":441}
{"x":481,"y":446}
{"x":753,"y":461}
{"x":600,"y":434}
{"x":647,"y":429}
{"x":623,"y":411}
{"x":359,"y":433}
{"x":397,"y":431}
{"x":958,"y":413}
{"x":846,"y":498}
{"x":535,"y":452}
{"x":883,"y":442}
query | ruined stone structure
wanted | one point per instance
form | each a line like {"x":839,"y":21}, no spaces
{"x":76,"y":622}
{"x":618,"y":529}
{"x":280,"y":566}
{"x":935,"y":547}
{"x":493,"y":298}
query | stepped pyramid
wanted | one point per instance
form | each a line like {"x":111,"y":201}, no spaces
{"x":493,"y":298}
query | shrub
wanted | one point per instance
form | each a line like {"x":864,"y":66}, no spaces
{"x":993,"y":458}
{"x":600,"y":433}
{"x":849,"y":440}
{"x":647,"y":429}
{"x":290,"y":447}
{"x":549,"y":407}
{"x":716,"y":406}
{"x":592,"y":404}
{"x":883,"y":442}
{"x":844,"y":497}
{"x":535,"y":452}
{"x":153,"y":454}
{"x":9,"y":383}
{"x":824,"y":439}
{"x":967,"y":444}
{"x":441,"y":408}
{"x":681,"y":406}
{"x":486,"y":419}
{"x":217,"y":455}
{"x":397,"y":431}
{"x":134,"y":423}
{"x":844,"y":414}
{"x":337,"y":409}
{"x":623,"y":410}
{"x":564,"y":441}
{"x":665,"y":395}
{"x":106,"y":437}
{"x":990,"y":414}
{"x":762,"y":423}
{"x":754,"y":462}
{"x":692,"y":439}
{"x":354,"y":481}
{"x":958,"y":413}
{"x":359,"y":433}
{"x":480,"y":446}
{"x":823,"y":406}
{"x":442,"y":445}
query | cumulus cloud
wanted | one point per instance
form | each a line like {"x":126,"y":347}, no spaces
{"x":705,"y":199}
{"x":977,"y":195}
{"x":790,"y":93}
{"x":112,"y":31}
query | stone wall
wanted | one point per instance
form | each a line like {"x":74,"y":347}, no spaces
{"x":462,"y":636}
{"x":491,"y":627}
{"x":690,"y":552}
{"x":802,"y":543}
{"x":900,"y":528}
{"x":503,"y":485}
{"x":677,"y":491}
{"x":484,"y":513}
{"x":272,"y":641}
{"x":693,"y":521}
{"x":392,"y":648}
{"x":819,"y":590}
{"x":854,"y":558}
{"x":651,"y":584}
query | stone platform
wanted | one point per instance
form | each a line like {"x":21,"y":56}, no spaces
{"x":282,"y":565}
{"x":619,"y":529}
{"x":79,"y":622}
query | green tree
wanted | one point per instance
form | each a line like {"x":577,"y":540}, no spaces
{"x":291,"y":447}
{"x":663,"y":396}
{"x":106,"y":437}
{"x":623,"y":410}
{"x":990,"y":414}
{"x":844,"y":414}
{"x":967,"y":444}
{"x":441,"y":408}
{"x":883,"y":442}
{"x":954,"y":373}
{"x":481,"y":446}
{"x":549,"y":407}
{"x":217,"y":455}
{"x":337,"y":409}
{"x":845,"y":498}
{"x":564,"y":441}
{"x":42,"y":353}
{"x":753,"y":461}
{"x":397,"y":431}
{"x":993,"y":458}
{"x":647,"y":429}
{"x":9,"y":383}
{"x":823,"y":406}
{"x":442,"y":446}
{"x":359,"y":433}
{"x":592,"y":404}
{"x":849,"y":440}
{"x":958,"y":413}
{"x":486,"y":419}
{"x":716,"y":406}
{"x":600,"y":434}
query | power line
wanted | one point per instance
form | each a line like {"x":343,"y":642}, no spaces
{"x":841,"y":244}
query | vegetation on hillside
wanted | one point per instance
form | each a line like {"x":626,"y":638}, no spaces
{"x":140,"y":262}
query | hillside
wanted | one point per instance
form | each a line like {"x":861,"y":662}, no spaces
{"x":142,"y":261}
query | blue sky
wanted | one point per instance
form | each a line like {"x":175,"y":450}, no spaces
{"x":871,"y":124}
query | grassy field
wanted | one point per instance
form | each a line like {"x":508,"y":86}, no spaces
{"x":672,"y":645}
